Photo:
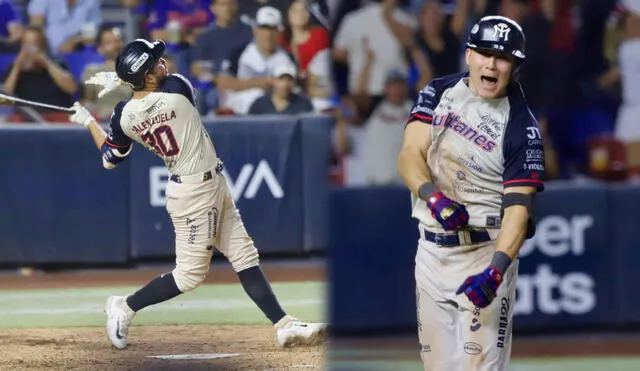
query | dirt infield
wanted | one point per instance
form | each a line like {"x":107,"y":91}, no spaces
{"x":89,"y":349}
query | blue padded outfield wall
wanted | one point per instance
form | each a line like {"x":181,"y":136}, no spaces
{"x":59,"y":205}
{"x":580,"y":269}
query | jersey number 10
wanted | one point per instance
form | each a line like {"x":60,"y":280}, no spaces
{"x":162,"y":141}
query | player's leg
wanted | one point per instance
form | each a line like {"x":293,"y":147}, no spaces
{"x":238,"y":247}
{"x":189,"y":206}
{"x":486,"y":333}
{"x":437,"y":316}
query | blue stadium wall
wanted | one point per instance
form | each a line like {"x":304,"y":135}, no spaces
{"x":60,"y":206}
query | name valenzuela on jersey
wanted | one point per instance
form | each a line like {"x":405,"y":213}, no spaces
{"x":153,"y":121}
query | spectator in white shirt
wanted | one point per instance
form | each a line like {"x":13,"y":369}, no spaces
{"x":387,"y":31}
{"x":248,"y":75}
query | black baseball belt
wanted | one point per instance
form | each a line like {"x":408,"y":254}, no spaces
{"x":458,"y":238}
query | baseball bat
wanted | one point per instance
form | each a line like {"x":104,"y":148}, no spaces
{"x":9,"y":100}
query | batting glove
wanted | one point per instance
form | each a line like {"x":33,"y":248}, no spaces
{"x":450,"y":214}
{"x":481,"y":289}
{"x":109,"y":81}
{"x":81,"y":115}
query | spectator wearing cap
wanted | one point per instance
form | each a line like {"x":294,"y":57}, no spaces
{"x":385,"y":131}
{"x":224,"y":39}
{"x":11,"y":27}
{"x":109,"y":42}
{"x":64,"y":21}
{"x":246,"y":77}
{"x":281,"y":99}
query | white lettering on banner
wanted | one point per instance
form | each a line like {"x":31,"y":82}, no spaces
{"x":557,"y":236}
{"x":158,"y":177}
{"x":575,"y":292}
{"x":246,"y":185}
{"x":262,"y":174}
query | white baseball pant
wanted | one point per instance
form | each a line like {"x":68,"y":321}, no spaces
{"x":455,"y":335}
{"x":205,"y":217}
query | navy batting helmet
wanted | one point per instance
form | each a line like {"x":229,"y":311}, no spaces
{"x":501,"y":34}
{"x":137,"y":59}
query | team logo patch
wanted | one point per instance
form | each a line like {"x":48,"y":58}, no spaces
{"x":501,"y":31}
{"x":472,"y":348}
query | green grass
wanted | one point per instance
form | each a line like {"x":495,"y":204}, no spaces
{"x":208,"y":304}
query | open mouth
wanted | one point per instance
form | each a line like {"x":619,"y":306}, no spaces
{"x":489,"y":80}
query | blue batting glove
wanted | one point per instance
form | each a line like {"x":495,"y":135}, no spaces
{"x":481,"y":289}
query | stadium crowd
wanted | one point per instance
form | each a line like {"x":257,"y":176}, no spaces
{"x":362,"y":61}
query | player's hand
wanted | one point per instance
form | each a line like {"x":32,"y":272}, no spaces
{"x":450,"y":214}
{"x":109,"y":81}
{"x":481,"y":289}
{"x":81,"y":116}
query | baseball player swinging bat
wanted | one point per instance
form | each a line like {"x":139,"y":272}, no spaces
{"x":162,"y":117}
{"x":7,"y":100}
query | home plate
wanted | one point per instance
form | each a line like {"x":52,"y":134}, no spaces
{"x":196,"y":356}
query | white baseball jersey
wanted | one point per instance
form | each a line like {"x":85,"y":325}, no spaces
{"x":479,"y":147}
{"x":167,"y":123}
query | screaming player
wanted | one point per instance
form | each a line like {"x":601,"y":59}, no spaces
{"x":473,"y":160}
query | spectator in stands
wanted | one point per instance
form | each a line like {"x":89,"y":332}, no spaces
{"x":281,"y":99}
{"x":536,"y":27}
{"x":109,"y":43}
{"x":628,"y":125}
{"x":178,"y":21}
{"x":386,"y":30}
{"x":224,"y":39}
{"x":11,"y":27}
{"x":348,"y":141}
{"x":248,"y":10}
{"x":537,"y":30}
{"x":247,"y":76}
{"x":36,"y":76}
{"x":308,"y":43}
{"x":439,"y":39}
{"x":64,"y":21}
{"x":384,"y":131}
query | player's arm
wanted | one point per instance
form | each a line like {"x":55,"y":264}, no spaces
{"x":516,"y":220}
{"x":522,"y":179}
{"x":412,"y":160}
{"x":115,"y":146}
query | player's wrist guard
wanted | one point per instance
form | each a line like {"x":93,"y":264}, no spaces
{"x":426,"y":190}
{"x":501,"y":261}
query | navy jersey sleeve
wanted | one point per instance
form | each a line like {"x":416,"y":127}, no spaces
{"x":425,"y":104}
{"x":523,"y":150}
{"x":429,"y":98}
{"x":178,"y":84}
{"x":117,"y":145}
{"x":116,"y":137}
